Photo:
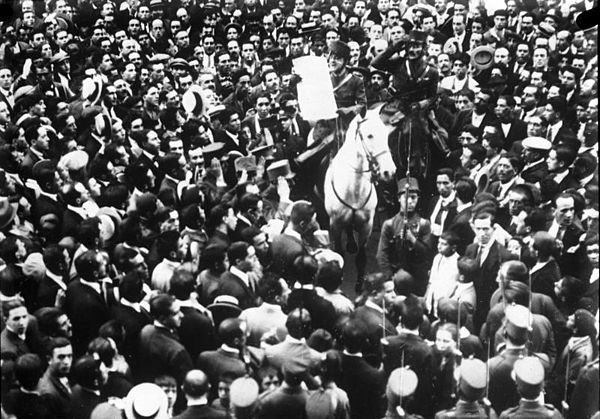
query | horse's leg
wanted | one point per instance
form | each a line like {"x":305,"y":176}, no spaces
{"x":351,"y":246}
{"x":363,"y":229}
{"x":335,"y":229}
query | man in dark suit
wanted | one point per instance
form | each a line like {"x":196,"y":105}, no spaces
{"x":535,"y":151}
{"x":288,"y":245}
{"x":511,"y":128}
{"x":86,"y":391}
{"x":16,"y":318}
{"x":571,"y":259}
{"x":461,"y":225}
{"x":129,"y":313}
{"x":74,"y":196}
{"x":304,"y":295}
{"x":55,"y":383}
{"x":379,"y":290}
{"x":489,"y":255}
{"x":173,"y":165}
{"x":26,"y":401}
{"x":480,"y":116}
{"x":160,"y":353}
{"x":196,"y":333}
{"x":364,"y":384}
{"x":559,"y":160}
{"x":86,"y":300}
{"x":48,"y":209}
{"x":555,"y":113}
{"x":236,"y":281}
{"x":39,"y":145}
{"x":53,"y":282}
{"x":442,"y":209}
{"x":232,"y":125}
{"x":409,"y":349}
{"x":195,"y":388}
{"x":233,"y":356}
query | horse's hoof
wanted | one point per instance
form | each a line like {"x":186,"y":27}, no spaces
{"x":351,"y":247}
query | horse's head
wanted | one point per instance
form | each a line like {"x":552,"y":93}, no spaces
{"x":373,"y":134}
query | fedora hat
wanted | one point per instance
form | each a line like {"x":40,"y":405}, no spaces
{"x":482,"y":57}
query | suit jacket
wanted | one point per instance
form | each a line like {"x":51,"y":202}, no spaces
{"x":46,"y":293}
{"x":230,"y":144}
{"x":283,"y":402}
{"x":45,"y":205}
{"x":535,"y":173}
{"x":543,"y":279}
{"x":70,"y":222}
{"x":419,"y":357}
{"x":502,"y":388}
{"x":322,"y":312}
{"x":461,"y":226}
{"x":465,"y":117}
{"x":451,"y":213}
{"x":365,"y":386}
{"x":28,"y":162}
{"x":196,"y":333}
{"x":215,"y":363}
{"x":284,"y":250}
{"x":201,"y":412}
{"x":296,"y":352}
{"x":161,"y":354}
{"x":133,"y":322}
{"x":83,"y":402}
{"x":374,"y":321}
{"x":11,"y":343}
{"x":29,"y":405}
{"x":234,"y":286}
{"x":485,"y":282}
{"x":572,"y":260}
{"x":517,"y":132}
{"x":51,"y":386}
{"x":88,"y":311}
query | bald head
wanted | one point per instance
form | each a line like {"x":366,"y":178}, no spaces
{"x":195,"y":384}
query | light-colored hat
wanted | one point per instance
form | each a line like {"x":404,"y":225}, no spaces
{"x":537,"y":143}
{"x":482,"y":57}
{"x":146,"y":401}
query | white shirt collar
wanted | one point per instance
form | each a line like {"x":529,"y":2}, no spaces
{"x":52,"y":196}
{"x":355,"y":354}
{"x":57,"y":278}
{"x":127,"y":303}
{"x":463,"y":207}
{"x":80,"y":211}
{"x":374,"y":306}
{"x":289,"y":231}
{"x":93,"y":285}
{"x":406,"y":331}
{"x":230,"y":349}
{"x":198,"y":402}
{"x":242,"y":275}
{"x":561,"y":175}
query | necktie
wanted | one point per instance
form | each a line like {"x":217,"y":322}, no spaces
{"x":479,"y":254}
{"x":549,"y":135}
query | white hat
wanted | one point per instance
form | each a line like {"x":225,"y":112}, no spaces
{"x":146,"y":401}
{"x":537,"y":143}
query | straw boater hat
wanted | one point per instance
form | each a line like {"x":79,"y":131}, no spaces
{"x":482,"y":57}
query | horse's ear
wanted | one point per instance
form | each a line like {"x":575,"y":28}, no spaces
{"x":363,"y":112}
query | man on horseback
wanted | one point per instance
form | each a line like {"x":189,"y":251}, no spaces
{"x":414,"y":92}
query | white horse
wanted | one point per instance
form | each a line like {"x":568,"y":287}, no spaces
{"x":350,"y":195}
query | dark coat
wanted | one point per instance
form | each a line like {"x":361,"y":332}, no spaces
{"x":572,"y":259}
{"x":46,"y":293}
{"x":29,"y":406}
{"x":133,"y":322}
{"x":502,"y":388}
{"x":283,"y":402}
{"x":234,"y":286}
{"x":373,"y":321}
{"x":542,"y":280}
{"x":11,"y":343}
{"x":70,"y":222}
{"x":485,"y":282}
{"x":88,"y":311}
{"x":196,"y":333}
{"x":230,"y":144}
{"x":517,"y":132}
{"x":322,"y":312}
{"x":419,"y":357}
{"x":365,"y":386}
{"x":284,"y":250}
{"x":535,"y":173}
{"x":201,"y":412}
{"x":51,"y":386}
{"x":161,"y":354}
{"x":83,"y":402}
{"x":531,"y":410}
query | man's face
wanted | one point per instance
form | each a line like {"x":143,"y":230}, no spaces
{"x":4,"y":113}
{"x":501,"y":56}
{"x":528,"y":98}
{"x":182,"y":39}
{"x":413,"y":201}
{"x":249,"y":262}
{"x":64,"y":325}
{"x":444,"y":248}
{"x":516,"y":202}
{"x":42,"y":142}
{"x":483,"y":230}
{"x":593,"y":255}
{"x":504,"y":170}
{"x":234,"y":124}
{"x":463,"y":103}
{"x":61,"y":360}
{"x":207,"y":81}
{"x":173,"y":321}
{"x":568,"y":80}
{"x":444,"y":185}
{"x":500,"y":22}
{"x":360,"y":8}
{"x":458,"y":24}
{"x":565,"y":211}
{"x":272,"y":81}
{"x":224,"y":64}
{"x":6,"y":78}
{"x":248,"y":52}
{"x":17,"y":320}
{"x":153,"y":141}
{"x":459,"y":69}
{"x":263,"y":107}
{"x":428,"y":24}
{"x":481,"y":102}
{"x":296,"y":47}
{"x":466,"y":158}
{"x":540,"y":58}
{"x":502,"y":110}
{"x":444,"y":62}
{"x":549,"y":114}
{"x":552,"y":161}
{"x":527,"y":24}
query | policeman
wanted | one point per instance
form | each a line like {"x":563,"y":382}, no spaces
{"x":471,"y":389}
{"x":502,"y":390}
{"x":400,"y":386}
{"x":529,"y":378}
{"x":403,"y":244}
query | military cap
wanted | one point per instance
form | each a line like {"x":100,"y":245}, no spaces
{"x":380,"y":72}
{"x":518,"y":321}
{"x":417,"y":36}
{"x":243,"y":392}
{"x":462,"y":2}
{"x":501,"y":12}
{"x":529,"y":375}
{"x":237,"y":27}
{"x":411,"y":183}
{"x":363,"y":71}
{"x":156,"y":3}
{"x":340,"y":48}
{"x":537,"y":143}
{"x":472,"y":378}
{"x":403,"y":382}
{"x":74,"y":160}
{"x":179,"y":63}
{"x":280,"y":168}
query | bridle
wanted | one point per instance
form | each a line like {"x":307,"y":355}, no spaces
{"x":373,"y":169}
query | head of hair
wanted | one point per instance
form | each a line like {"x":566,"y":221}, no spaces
{"x":160,"y":306}
{"x":330,"y":276}
{"x":28,"y":371}
{"x":195,"y":384}
{"x":104,"y":349}
{"x":305,"y":269}
{"x":354,"y":335}
{"x":468,"y":268}
{"x":237,"y":251}
{"x":230,"y":330}
{"x":298,"y":323}
{"x":87,"y":265}
{"x":269,"y":288}
{"x":411,"y":312}
{"x":465,"y":189}
{"x":182,"y":284}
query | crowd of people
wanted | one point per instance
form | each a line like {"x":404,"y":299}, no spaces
{"x":164,"y":248}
